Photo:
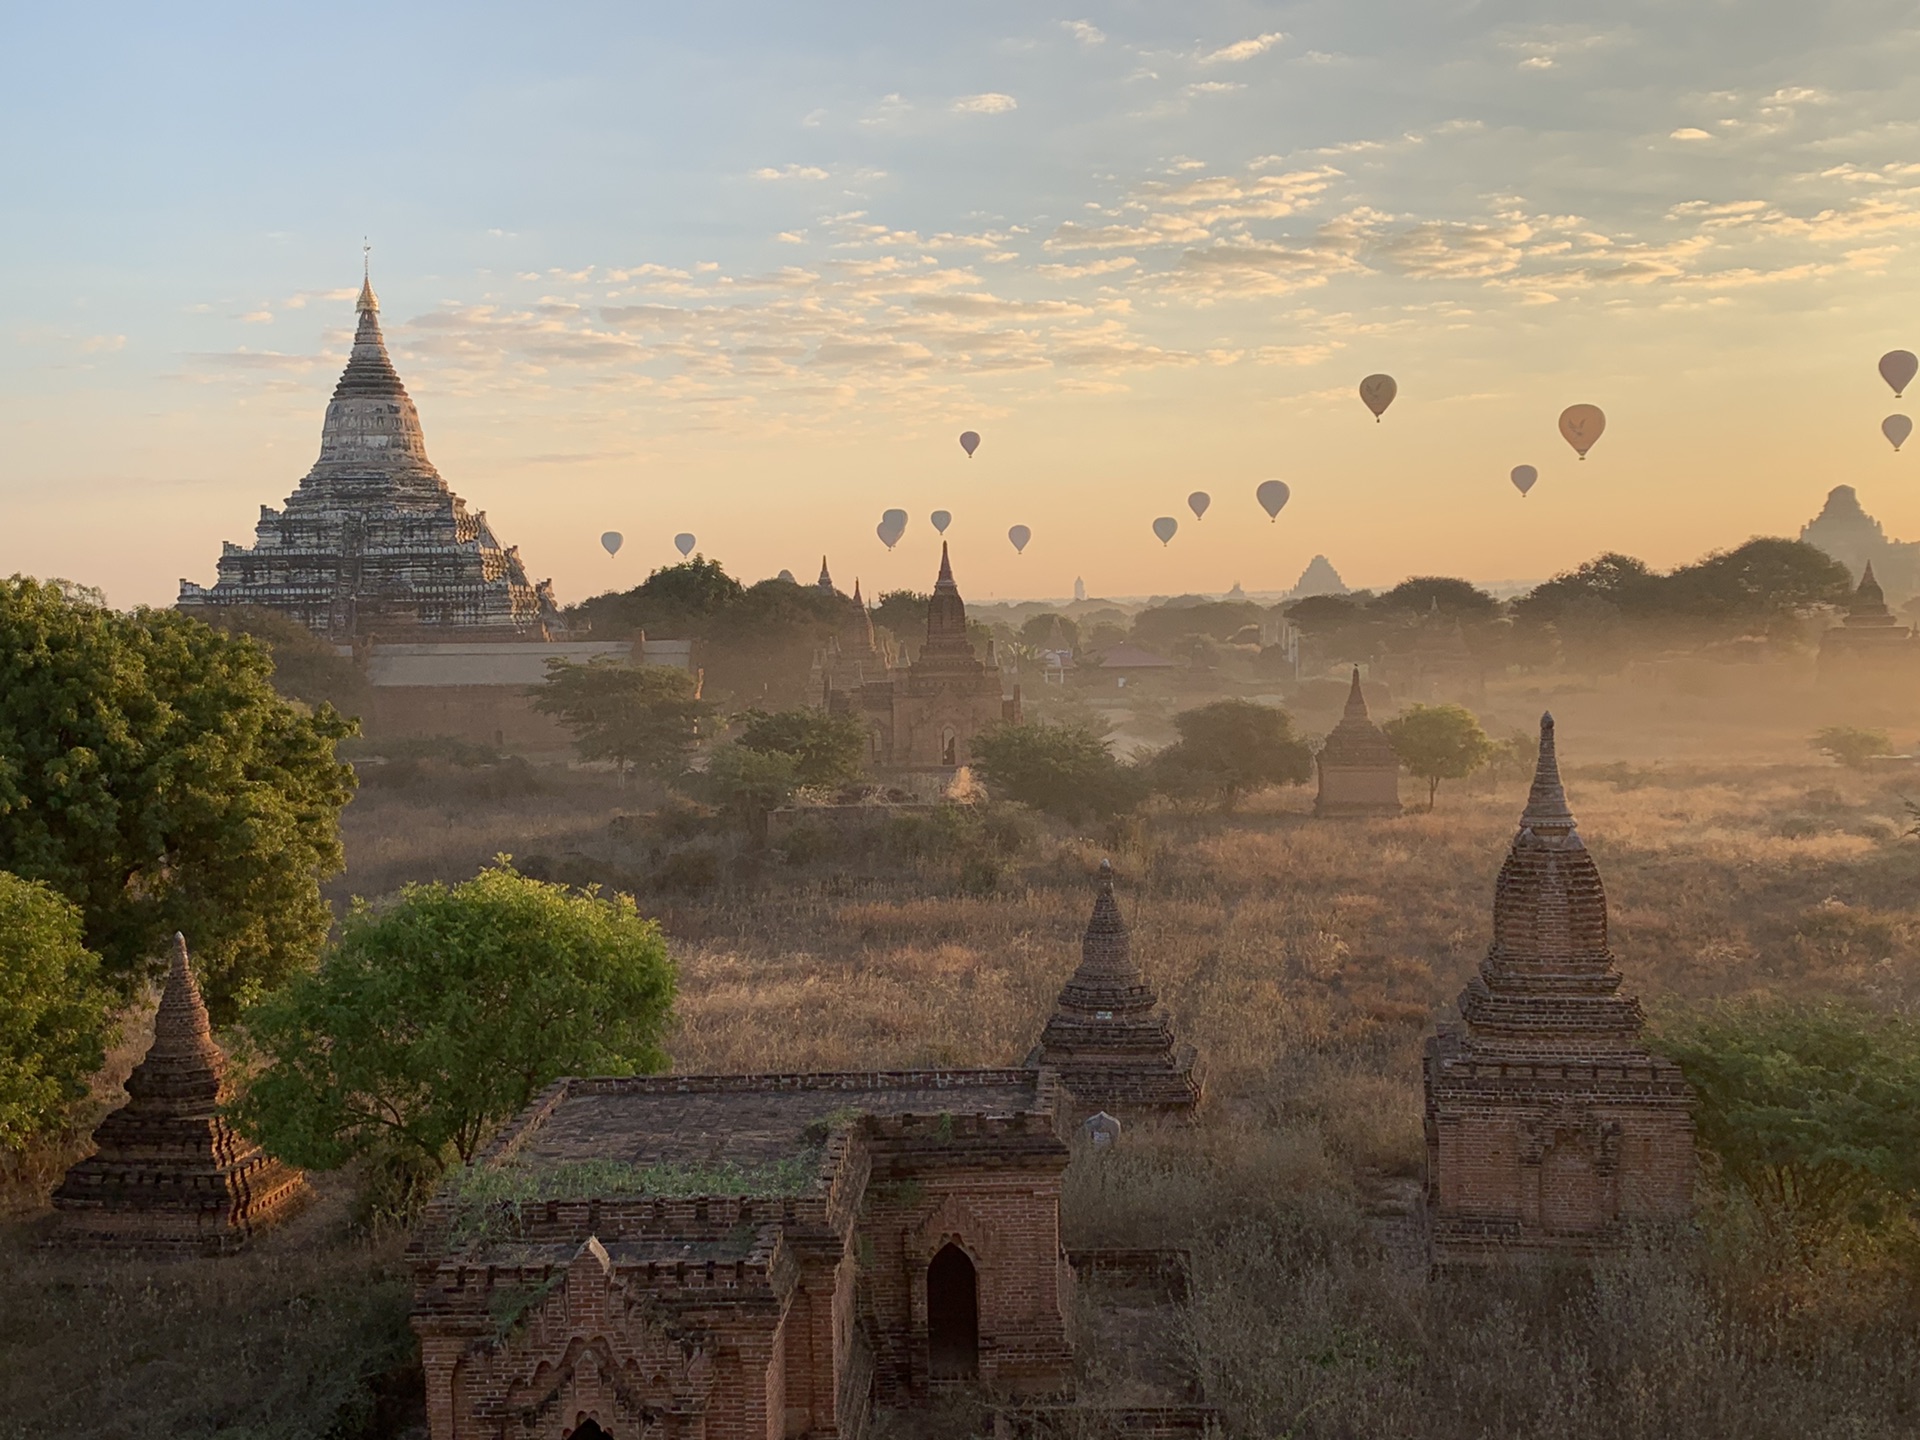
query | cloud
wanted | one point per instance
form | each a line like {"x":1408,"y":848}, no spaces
{"x":790,"y":172}
{"x":1243,"y":49}
{"x":1085,"y":31}
{"x":990,"y":103}
{"x":1452,"y":250}
{"x":1186,"y":211}
{"x":1215,"y":87}
{"x":1690,"y":133}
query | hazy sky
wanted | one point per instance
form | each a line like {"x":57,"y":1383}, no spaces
{"x":748,"y":270}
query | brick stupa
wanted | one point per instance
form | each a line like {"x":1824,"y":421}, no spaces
{"x":1551,"y":1130}
{"x":1359,"y":773}
{"x":169,"y":1175}
{"x":1107,"y":1038}
{"x":1870,"y":638}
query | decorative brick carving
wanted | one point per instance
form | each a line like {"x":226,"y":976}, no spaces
{"x":1359,"y":773}
{"x":1551,"y":1130}
{"x":1108,"y":1039}
{"x":168,"y":1174}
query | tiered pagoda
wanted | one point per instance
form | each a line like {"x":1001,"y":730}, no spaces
{"x":852,"y":656}
{"x":1551,"y":1129}
{"x":1870,"y":638}
{"x":1108,"y":1039}
{"x":373,"y":541}
{"x":169,"y":1175}
{"x":1359,"y":773}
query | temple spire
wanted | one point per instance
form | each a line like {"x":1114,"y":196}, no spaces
{"x":825,"y":582}
{"x":1547,"y":811}
{"x":946,"y":569}
{"x":1356,"y":699}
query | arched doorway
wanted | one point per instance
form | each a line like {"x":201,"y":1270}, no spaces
{"x":953,"y":1316}
{"x":949,"y":747}
{"x":588,"y":1430}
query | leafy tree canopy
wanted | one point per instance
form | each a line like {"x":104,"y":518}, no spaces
{"x":1438,"y":742}
{"x":1759,"y":581}
{"x":904,"y":612}
{"x":54,"y":1013}
{"x":1229,"y":749}
{"x":150,"y":774}
{"x":1048,"y":631}
{"x":643,"y":718}
{"x":681,"y":599}
{"x":1458,"y":599}
{"x":825,"y":749}
{"x":437,"y":1017}
{"x":1063,"y":770}
{"x":305,"y":667}
{"x":749,"y":782}
{"x":1813,"y":1111}
{"x":1216,"y":619}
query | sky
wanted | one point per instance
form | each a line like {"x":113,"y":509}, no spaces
{"x":748,"y":270}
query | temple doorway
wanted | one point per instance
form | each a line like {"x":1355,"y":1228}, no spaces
{"x":588,"y":1430}
{"x":953,"y":1316}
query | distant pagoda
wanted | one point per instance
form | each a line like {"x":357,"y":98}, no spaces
{"x":373,"y":541}
{"x":1870,"y":639}
{"x":168,"y":1174}
{"x":1359,"y":771}
{"x":1108,"y":1038}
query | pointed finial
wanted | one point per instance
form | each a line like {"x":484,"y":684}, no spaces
{"x":179,"y":965}
{"x":856,"y":592}
{"x":1547,"y":802}
{"x":1106,"y":877}
{"x":1356,"y":698}
{"x":946,"y":566}
{"x":368,"y":302}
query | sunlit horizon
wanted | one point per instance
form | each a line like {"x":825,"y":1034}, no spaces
{"x":749,"y":274}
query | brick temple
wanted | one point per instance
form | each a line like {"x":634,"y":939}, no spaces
{"x":705,"y":1256}
{"x":1108,"y":1039}
{"x":1359,"y":773}
{"x":373,"y":541}
{"x":923,"y":716}
{"x":168,"y":1175}
{"x":1551,"y":1130}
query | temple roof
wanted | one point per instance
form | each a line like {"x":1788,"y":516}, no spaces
{"x":1356,"y":740}
{"x":946,"y":616}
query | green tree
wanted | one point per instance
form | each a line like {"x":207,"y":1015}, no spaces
{"x":54,"y":1013}
{"x":1049,"y":631}
{"x":1421,"y":594}
{"x":1852,"y":747}
{"x":1518,"y":754}
{"x":1438,"y":742}
{"x":676,"y":599}
{"x":305,"y":667}
{"x":150,"y":774}
{"x":1160,"y":626}
{"x":750,"y":782}
{"x":435,"y":1018}
{"x":1812,"y":1111}
{"x":1064,"y":770}
{"x":1229,"y":749}
{"x":825,"y":749}
{"x":643,"y":718}
{"x":904,"y":612}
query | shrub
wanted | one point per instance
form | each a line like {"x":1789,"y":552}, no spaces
{"x":436,"y":1018}
{"x":1438,"y":742}
{"x":826,"y":750}
{"x":1061,"y":770}
{"x":1850,"y":746}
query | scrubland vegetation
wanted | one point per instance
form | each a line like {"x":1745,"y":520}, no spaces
{"x":1765,"y":907}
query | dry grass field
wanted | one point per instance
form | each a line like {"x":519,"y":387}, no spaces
{"x":1307,"y":961}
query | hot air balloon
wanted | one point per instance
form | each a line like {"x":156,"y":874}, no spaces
{"x":683,"y":542}
{"x":1165,"y":527}
{"x":1523,"y":477}
{"x":1377,"y":391}
{"x":1019,"y":535}
{"x":1582,"y":425}
{"x":969,"y":441}
{"x":610,"y":542}
{"x":941,"y":519}
{"x":1896,"y":428}
{"x":1897,"y":368}
{"x":893,"y":524}
{"x":1273,"y":496}
{"x":1198,"y":502}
